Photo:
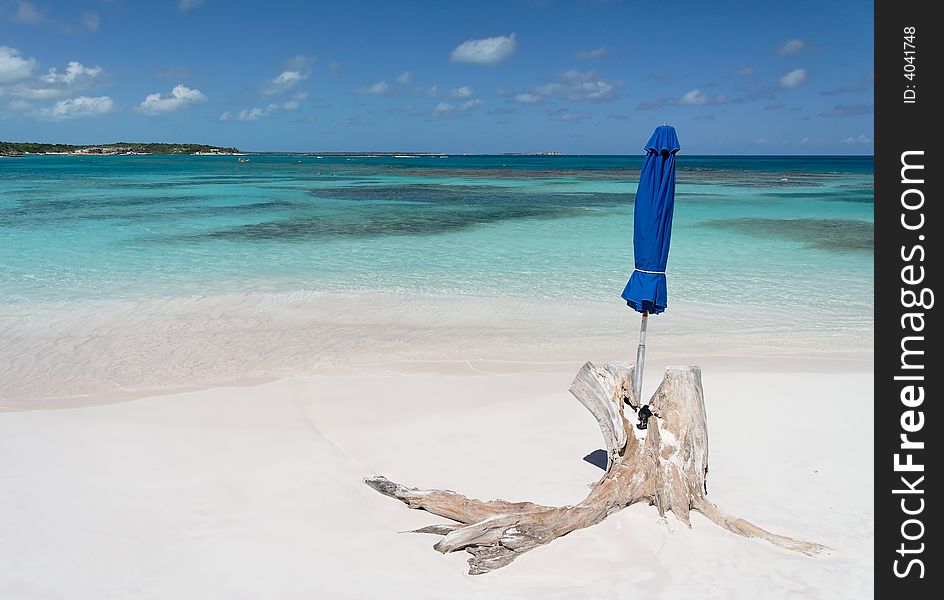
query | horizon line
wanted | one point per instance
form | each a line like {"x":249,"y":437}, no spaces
{"x":534,"y":154}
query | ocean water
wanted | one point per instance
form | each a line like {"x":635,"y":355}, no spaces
{"x":99,"y":253}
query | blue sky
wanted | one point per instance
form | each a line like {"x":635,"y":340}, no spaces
{"x":577,"y":76}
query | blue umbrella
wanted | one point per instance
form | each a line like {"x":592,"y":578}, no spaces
{"x":652,"y":230}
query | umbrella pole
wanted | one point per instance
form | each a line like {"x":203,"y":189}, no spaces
{"x":641,"y":355}
{"x":643,"y":413}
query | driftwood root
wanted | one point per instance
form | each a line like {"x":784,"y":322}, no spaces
{"x":665,"y":466}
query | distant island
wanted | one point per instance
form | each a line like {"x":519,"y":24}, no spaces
{"x":8,"y":149}
{"x":22,"y":148}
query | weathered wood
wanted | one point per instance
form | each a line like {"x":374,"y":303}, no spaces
{"x":601,"y":391}
{"x":665,"y":466}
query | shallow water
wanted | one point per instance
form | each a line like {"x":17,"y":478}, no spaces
{"x":785,"y":239}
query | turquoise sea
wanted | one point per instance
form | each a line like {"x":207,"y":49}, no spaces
{"x":791,"y":236}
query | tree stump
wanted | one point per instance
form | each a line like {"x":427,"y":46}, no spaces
{"x":664,"y":465}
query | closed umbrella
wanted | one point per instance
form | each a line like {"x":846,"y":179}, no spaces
{"x":652,"y":231}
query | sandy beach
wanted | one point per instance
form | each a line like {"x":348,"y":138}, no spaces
{"x":198,"y":373}
{"x":256,"y":491}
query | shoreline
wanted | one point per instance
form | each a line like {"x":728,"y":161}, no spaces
{"x":458,"y":369}
{"x":95,"y":352}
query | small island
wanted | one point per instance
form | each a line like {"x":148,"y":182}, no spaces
{"x":118,"y":148}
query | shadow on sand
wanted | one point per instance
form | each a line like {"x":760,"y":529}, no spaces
{"x":597,"y":458}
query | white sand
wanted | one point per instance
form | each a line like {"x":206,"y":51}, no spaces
{"x":256,"y":492}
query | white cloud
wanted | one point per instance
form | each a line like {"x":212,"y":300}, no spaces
{"x":73,"y":72}
{"x":285,"y":81}
{"x":27,"y":13}
{"x":249,"y":114}
{"x":487,"y":51}
{"x":404,"y":78}
{"x":792,"y":79}
{"x":19,"y":105}
{"x":696,"y":97}
{"x":463,"y":91}
{"x":579,"y":86}
{"x":859,"y":139}
{"x":448,"y":108}
{"x":593,"y":90}
{"x":256,"y":113}
{"x":593,"y":54}
{"x":34,"y":92}
{"x":13,"y":66}
{"x":294,"y":103}
{"x":180,"y":97}
{"x":529,"y":98}
{"x":377,"y":89}
{"x":82,"y":106}
{"x":791,"y":47}
{"x":188,"y":5}
{"x":76,"y":77}
{"x":745,"y":71}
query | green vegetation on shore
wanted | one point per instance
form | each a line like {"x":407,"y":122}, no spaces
{"x":18,"y":148}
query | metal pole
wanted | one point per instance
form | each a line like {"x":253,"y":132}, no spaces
{"x":641,"y":356}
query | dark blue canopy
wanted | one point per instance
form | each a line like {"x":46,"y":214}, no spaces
{"x":652,"y":223}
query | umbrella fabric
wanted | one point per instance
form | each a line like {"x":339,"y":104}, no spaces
{"x":652,"y":223}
